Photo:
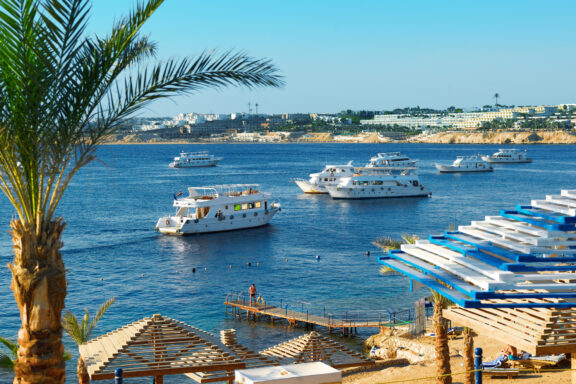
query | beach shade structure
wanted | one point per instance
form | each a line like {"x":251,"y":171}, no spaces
{"x":250,"y":358}
{"x":156,"y":346}
{"x":523,"y":258}
{"x":315,"y":347}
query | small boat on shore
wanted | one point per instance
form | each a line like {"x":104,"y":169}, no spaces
{"x":219,"y":208}
{"x":392,"y":160}
{"x":508,"y":155}
{"x":377,"y":183}
{"x":194,"y":159}
{"x":466,"y":164}
{"x":330,"y":175}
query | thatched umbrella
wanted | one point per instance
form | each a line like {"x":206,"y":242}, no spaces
{"x":315,"y":347}
{"x":156,"y":346}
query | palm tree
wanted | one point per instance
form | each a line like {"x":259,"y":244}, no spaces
{"x":61,"y":94}
{"x":496,"y":96}
{"x":469,"y":355}
{"x":443,"y":370}
{"x":80,"y":333}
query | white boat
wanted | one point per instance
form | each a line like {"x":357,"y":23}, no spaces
{"x":331,"y":175}
{"x":391,"y":159}
{"x":219,"y":208}
{"x":381,"y":183}
{"x":194,"y":159}
{"x":508,"y":155}
{"x":466,"y":164}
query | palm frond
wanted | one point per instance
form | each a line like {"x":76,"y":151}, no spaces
{"x":6,"y":361}
{"x":103,"y":308}
{"x":11,"y":345}
{"x":72,"y":328}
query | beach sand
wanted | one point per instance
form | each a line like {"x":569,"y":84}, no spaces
{"x":427,"y":369}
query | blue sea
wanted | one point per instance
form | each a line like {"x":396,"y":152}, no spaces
{"x":111,"y":249}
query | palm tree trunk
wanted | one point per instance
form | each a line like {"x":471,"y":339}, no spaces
{"x":468,"y":356}
{"x":39,"y":285}
{"x":441,"y":347}
{"x":82,"y":371}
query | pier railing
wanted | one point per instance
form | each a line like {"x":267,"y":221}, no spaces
{"x":321,"y":314}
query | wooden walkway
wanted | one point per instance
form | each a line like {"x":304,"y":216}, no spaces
{"x":240,"y":307}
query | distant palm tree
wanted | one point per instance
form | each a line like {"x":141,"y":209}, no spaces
{"x":61,"y":94}
{"x":8,"y":359}
{"x":80,"y":332}
{"x":441,"y":347}
{"x":468,"y":355}
{"x":496,"y":96}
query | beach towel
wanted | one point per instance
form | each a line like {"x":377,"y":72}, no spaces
{"x":497,"y":362}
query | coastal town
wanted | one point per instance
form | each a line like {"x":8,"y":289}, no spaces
{"x":544,"y":124}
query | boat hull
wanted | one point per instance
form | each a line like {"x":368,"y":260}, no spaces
{"x":180,"y":226}
{"x":308,"y":187}
{"x":500,"y":160}
{"x":357,"y":193}
{"x":196,"y":164}
{"x":453,"y":169}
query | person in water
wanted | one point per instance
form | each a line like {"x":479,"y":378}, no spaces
{"x":252,"y":293}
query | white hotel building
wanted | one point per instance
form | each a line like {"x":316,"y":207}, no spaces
{"x":465,"y":120}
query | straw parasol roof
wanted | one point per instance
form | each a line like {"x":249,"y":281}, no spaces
{"x":156,"y":346}
{"x":315,"y":347}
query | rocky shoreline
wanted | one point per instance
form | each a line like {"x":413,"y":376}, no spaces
{"x":524,"y":138}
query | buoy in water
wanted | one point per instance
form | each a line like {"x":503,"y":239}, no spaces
{"x":286,"y":260}
{"x":317,"y":257}
{"x":193,"y":270}
{"x":367,"y":253}
{"x":258,"y":264}
{"x":248,"y":264}
{"x":230,"y":266}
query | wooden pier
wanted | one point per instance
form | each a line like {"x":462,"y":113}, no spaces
{"x":240,"y":307}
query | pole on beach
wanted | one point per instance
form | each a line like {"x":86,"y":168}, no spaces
{"x":478,"y":366}
{"x":118,"y":376}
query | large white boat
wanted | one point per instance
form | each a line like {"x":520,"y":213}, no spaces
{"x":466,"y":164}
{"x":508,"y":155}
{"x":331,"y":175}
{"x":194,"y":159}
{"x":392,"y":160}
{"x":380,"y":183}
{"x":219,"y":208}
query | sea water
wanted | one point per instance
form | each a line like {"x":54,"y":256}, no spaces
{"x":111,"y":249}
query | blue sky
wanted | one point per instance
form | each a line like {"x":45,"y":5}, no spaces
{"x":373,"y":54}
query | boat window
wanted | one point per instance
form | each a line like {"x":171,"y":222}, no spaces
{"x":237,"y":207}
{"x":258,"y":204}
{"x":225,"y":207}
{"x":244,"y":206}
{"x":251,"y":205}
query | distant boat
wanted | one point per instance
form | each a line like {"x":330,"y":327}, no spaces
{"x":380,"y":182}
{"x":330,"y":175}
{"x":508,"y":155}
{"x":194,"y":159}
{"x":391,"y":159}
{"x":219,"y":208}
{"x":466,"y":164}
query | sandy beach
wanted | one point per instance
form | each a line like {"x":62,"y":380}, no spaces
{"x":423,"y":372}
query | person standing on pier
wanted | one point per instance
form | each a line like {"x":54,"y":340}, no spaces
{"x":252,"y":293}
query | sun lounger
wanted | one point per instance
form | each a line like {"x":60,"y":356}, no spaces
{"x":509,"y":372}
{"x":552,"y":359}
{"x":497,"y":362}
